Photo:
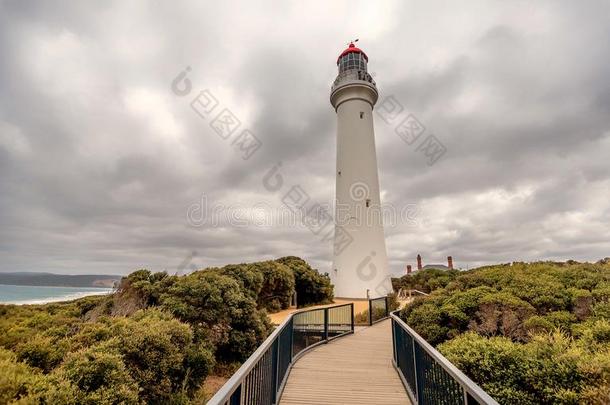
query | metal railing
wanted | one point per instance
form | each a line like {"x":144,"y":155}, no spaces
{"x":261,"y":379}
{"x":408,"y":293}
{"x":427,"y":375}
{"x":352,"y":75}
{"x":379,"y":309}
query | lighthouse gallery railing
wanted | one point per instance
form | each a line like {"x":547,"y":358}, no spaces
{"x":350,"y":76}
{"x":261,"y":379}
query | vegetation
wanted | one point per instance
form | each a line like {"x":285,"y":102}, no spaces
{"x":153,"y":341}
{"x":534,"y":333}
{"x":312,"y":287}
{"x":425,"y":280}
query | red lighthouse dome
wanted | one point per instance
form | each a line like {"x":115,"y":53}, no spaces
{"x":352,"y":49}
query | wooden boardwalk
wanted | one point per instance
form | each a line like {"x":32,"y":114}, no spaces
{"x":355,"y":369}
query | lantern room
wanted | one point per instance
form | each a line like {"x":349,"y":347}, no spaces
{"x":352,"y":58}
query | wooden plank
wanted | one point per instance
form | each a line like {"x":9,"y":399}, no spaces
{"x":356,"y":369}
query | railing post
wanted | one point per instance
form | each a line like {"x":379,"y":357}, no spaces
{"x":326,"y":324}
{"x":370,"y":312}
{"x":352,"y":310}
{"x":394,"y":343}
{"x":291,"y":325}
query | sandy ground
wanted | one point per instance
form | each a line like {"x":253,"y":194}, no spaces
{"x":212,"y":384}
{"x":359,"y":306}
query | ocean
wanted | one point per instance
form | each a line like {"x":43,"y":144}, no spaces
{"x":25,"y":294}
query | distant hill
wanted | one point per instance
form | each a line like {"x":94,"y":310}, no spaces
{"x":59,"y":280}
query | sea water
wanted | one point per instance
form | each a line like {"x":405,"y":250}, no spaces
{"x":25,"y":294}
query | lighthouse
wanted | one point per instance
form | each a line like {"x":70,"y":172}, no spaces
{"x":360,"y":263}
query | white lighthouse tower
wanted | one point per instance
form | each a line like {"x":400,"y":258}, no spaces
{"x":360,"y":263}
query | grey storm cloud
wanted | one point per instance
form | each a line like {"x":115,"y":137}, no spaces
{"x":101,"y":164}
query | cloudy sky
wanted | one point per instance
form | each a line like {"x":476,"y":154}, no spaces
{"x":105,"y":169}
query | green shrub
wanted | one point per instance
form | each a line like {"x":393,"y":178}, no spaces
{"x":553,"y":373}
{"x":546,"y":327}
{"x":426,"y":280}
{"x":250,"y":277}
{"x":278,"y":286}
{"x":497,"y":363}
{"x":86,"y":304}
{"x":602,"y":310}
{"x":220,"y":312}
{"x":145,"y":286}
{"x":593,"y":334}
{"x":160,"y":355}
{"x":547,"y":370}
{"x":270,"y":283}
{"x":312,"y":288}
{"x":429,"y":320}
{"x":596,"y":372}
{"x":42,"y":352}
{"x":17,"y":380}
{"x":91,"y":333}
{"x":100,"y":376}
{"x":601,"y":292}
{"x":562,"y":320}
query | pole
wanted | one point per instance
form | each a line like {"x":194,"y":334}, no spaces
{"x":326,"y":324}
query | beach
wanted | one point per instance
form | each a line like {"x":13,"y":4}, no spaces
{"x":32,"y":295}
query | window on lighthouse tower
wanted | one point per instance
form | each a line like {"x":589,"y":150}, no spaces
{"x":352,"y":61}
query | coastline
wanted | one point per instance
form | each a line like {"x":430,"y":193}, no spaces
{"x":79,"y":292}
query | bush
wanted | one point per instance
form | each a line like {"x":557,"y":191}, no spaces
{"x":220,"y":313}
{"x":42,"y":352}
{"x":594,"y":334}
{"x":497,"y":363}
{"x":143,"y":288}
{"x":426,"y":280}
{"x":534,"y":333}
{"x":101,"y":377}
{"x":601,"y":310}
{"x":17,"y":380}
{"x":91,"y":333}
{"x":547,"y":370}
{"x":429,"y":320}
{"x":311,"y":287}
{"x":270,"y":283}
{"x":160,"y":354}
{"x":249,"y":277}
